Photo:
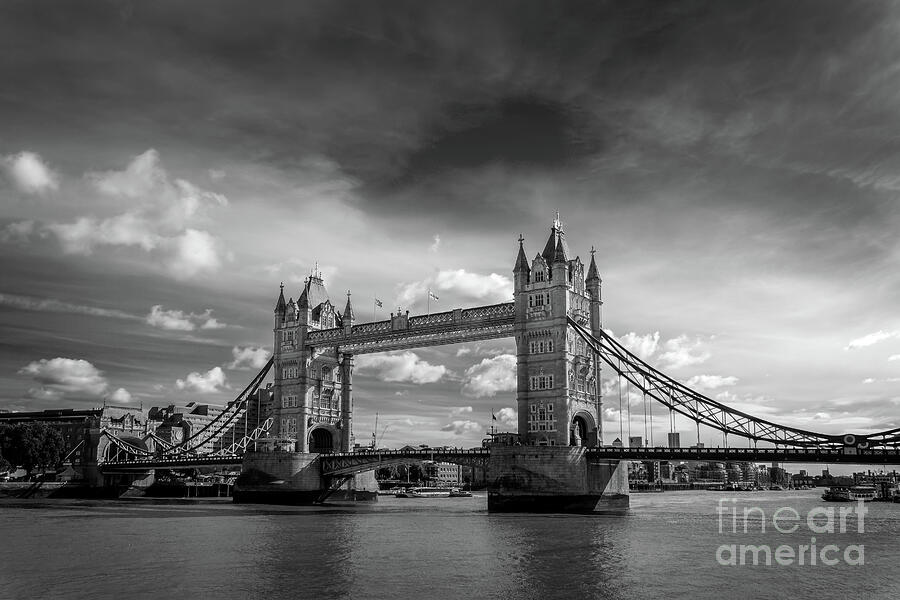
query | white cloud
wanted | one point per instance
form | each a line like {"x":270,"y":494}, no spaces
{"x":213,"y":380}
{"x":159,"y":218}
{"x":894,"y":357}
{"x":400,"y":367}
{"x":65,"y":377}
{"x":462,"y":427}
{"x":868,"y":380}
{"x":177,"y":320}
{"x":435,"y":245}
{"x":491,"y":288}
{"x":490,"y":376}
{"x":710,"y":382}
{"x":508,"y":417}
{"x":682,"y":352}
{"x":171,"y":320}
{"x":463,"y":351}
{"x":53,"y":305}
{"x":120,"y":396}
{"x":644,"y":346}
{"x":192,"y":253}
{"x":461,"y":410}
{"x":249,"y":357}
{"x":870,"y":339}
{"x":30,"y":173}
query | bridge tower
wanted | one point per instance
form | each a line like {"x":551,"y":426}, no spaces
{"x":312,"y":402}
{"x":557,"y":374}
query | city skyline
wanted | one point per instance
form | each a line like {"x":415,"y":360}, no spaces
{"x":161,"y":174}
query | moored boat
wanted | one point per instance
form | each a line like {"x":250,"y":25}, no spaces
{"x":852,"y":493}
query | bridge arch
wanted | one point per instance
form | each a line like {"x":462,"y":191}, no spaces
{"x":583,"y":429}
{"x":321,"y":438}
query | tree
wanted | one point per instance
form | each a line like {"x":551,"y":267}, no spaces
{"x":32,"y":445}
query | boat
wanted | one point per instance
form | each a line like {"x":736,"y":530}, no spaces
{"x":457,"y":493}
{"x":425,"y":492}
{"x":853,"y":493}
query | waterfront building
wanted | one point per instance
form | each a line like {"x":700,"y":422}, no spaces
{"x":674,"y":439}
{"x":442,"y":474}
{"x":635,"y":441}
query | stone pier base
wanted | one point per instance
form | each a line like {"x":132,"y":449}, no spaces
{"x":555,"y":479}
{"x":281,"y":477}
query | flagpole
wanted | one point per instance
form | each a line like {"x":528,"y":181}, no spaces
{"x":428,"y":303}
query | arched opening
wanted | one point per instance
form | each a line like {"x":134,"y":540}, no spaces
{"x":579,"y":431}
{"x":320,"y":441}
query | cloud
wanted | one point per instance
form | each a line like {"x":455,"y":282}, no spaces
{"x":177,"y":320}
{"x":400,"y":367}
{"x":248,"y":357}
{"x":212,"y":381}
{"x":192,"y":253}
{"x":462,"y":427}
{"x":159,"y":218}
{"x":170,"y":320}
{"x":682,"y":352}
{"x":468,"y":286}
{"x":65,"y":377}
{"x":30,"y":173}
{"x":490,"y":376}
{"x":53,"y":305}
{"x":894,"y":357}
{"x":644,"y":346}
{"x":870,"y":339}
{"x":120,"y":396}
{"x":508,"y":417}
{"x":463,"y":351}
{"x":18,"y":232}
{"x":436,"y":244}
{"x":868,"y":380}
{"x":460,"y":410}
{"x":710,"y":382}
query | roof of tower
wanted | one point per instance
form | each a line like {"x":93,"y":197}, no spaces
{"x":280,"y":306}
{"x":561,"y":254}
{"x":314,"y":292}
{"x":557,"y":237}
{"x":521,"y":260}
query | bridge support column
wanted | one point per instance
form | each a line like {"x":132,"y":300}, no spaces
{"x":346,"y":402}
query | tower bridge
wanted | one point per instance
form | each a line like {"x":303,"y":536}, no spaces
{"x":557,"y":459}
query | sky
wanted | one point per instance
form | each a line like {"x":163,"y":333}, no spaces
{"x":736,"y":166}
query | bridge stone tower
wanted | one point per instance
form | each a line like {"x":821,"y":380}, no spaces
{"x":557,"y":373}
{"x":312,"y":402}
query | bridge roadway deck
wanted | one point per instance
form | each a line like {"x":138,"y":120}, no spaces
{"x":802,"y":455}
{"x":346,"y":463}
{"x":188,"y":462}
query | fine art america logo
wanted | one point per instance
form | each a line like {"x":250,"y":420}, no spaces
{"x":750,"y":521}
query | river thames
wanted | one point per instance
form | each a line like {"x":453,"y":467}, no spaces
{"x":667,"y":546}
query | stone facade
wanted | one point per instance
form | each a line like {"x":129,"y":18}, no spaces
{"x":312,"y":404}
{"x":557,"y":373}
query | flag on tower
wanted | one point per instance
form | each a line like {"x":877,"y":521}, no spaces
{"x":493,"y":416}
{"x":432,"y":296}
{"x":378,"y":303}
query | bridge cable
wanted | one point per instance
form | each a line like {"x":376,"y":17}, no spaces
{"x":628,"y":408}
{"x":621,"y":431}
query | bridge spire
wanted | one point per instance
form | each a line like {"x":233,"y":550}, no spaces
{"x":521,"y":259}
{"x":592,"y":273}
{"x":348,"y":311}
{"x":280,"y":306}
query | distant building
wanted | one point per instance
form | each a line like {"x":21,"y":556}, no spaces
{"x":441,"y":473}
{"x":635,"y":441}
{"x":674,"y":439}
{"x":617,"y":443}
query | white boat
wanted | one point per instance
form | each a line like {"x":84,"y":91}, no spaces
{"x":843,"y":493}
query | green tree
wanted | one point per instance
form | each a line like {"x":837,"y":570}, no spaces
{"x":32,"y":445}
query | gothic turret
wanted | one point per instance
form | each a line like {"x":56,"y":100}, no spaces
{"x":348,"y":312}
{"x":280,"y":306}
{"x":592,"y":270}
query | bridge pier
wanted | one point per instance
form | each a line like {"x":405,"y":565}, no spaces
{"x":282,"y":477}
{"x":556,"y":479}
